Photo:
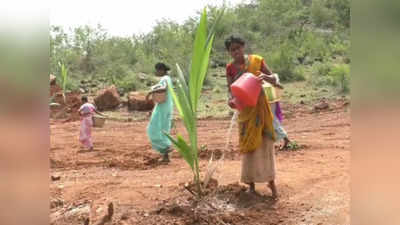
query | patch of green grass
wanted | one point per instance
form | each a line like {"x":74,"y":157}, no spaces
{"x":296,"y":92}
{"x":293,"y":145}
{"x":214,"y":99}
{"x":213,"y":104}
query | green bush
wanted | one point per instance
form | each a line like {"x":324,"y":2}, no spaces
{"x":129,"y":83}
{"x":342,"y":8}
{"x":319,"y":75}
{"x":341,"y":77}
{"x":282,"y":62}
{"x":134,"y":82}
{"x":321,"y":69}
{"x":299,"y":73}
{"x":116,"y":72}
{"x":326,"y":74}
{"x":339,"y":46}
{"x":311,"y":46}
{"x":321,"y":15}
{"x":72,"y":85}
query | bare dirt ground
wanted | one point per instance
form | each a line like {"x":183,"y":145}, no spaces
{"x":313,"y":182}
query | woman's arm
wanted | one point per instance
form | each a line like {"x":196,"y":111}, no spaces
{"x":164,"y":85}
{"x":99,"y":113}
{"x":80,"y":112}
{"x":161,"y":86}
{"x":265,"y":69}
{"x":267,"y":76}
{"x":229,"y":81}
{"x":148,"y":96}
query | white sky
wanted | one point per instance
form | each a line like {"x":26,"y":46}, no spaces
{"x":124,"y":17}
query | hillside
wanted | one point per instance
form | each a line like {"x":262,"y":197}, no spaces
{"x":305,"y":41}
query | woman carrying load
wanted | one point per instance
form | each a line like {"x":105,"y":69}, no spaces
{"x":161,"y":117}
{"x":86,"y":112}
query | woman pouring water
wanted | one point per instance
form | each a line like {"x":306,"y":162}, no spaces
{"x":256,"y":131}
{"x":161,"y":117}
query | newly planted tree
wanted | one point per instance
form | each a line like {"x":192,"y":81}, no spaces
{"x":187,"y":94}
{"x":64,"y":76}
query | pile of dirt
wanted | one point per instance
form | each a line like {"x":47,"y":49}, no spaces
{"x":68,"y":109}
{"x":107,"y":99}
{"x":137,"y":101}
{"x":229,"y":204}
{"x":68,"y":106}
{"x":52,"y":79}
{"x":54,"y":88}
{"x":322,"y":105}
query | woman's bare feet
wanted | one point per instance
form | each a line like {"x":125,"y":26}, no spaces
{"x":252,"y":188}
{"x":285,"y":143}
{"x":272,"y":186}
{"x":165,"y":158}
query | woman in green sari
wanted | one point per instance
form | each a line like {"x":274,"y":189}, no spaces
{"x":161,"y":117}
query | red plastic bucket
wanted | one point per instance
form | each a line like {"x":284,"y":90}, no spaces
{"x":247,"y":89}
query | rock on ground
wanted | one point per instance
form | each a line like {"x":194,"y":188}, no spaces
{"x":107,"y":99}
{"x":137,"y":101}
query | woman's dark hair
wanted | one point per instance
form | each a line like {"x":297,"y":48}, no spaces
{"x":161,"y":66}
{"x":84,"y":99}
{"x":233,"y":39}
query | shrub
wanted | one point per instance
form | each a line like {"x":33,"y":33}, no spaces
{"x":134,"y":81}
{"x":321,"y":69}
{"x":283,"y":63}
{"x":319,"y":74}
{"x":72,"y":85}
{"x":321,"y":15}
{"x":299,"y":73}
{"x":341,"y":77}
{"x":331,"y":75}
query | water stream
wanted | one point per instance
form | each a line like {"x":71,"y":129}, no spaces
{"x":218,"y":164}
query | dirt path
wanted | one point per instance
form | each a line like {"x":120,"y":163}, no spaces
{"x":313,"y":182}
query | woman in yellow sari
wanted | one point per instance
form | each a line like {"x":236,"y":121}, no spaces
{"x":256,"y":132}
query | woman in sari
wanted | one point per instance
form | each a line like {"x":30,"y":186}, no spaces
{"x":256,"y":132}
{"x":280,"y":132}
{"x":274,"y":103}
{"x":161,"y":117}
{"x":86,"y":112}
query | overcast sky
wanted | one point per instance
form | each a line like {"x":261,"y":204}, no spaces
{"x":125,"y":17}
